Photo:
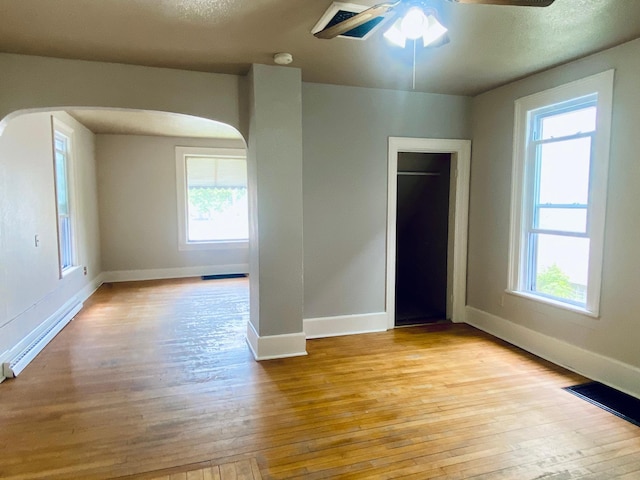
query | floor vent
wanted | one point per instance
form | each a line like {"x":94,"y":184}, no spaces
{"x":222,"y":276}
{"x":18,"y":363}
{"x":609,"y":399}
{"x":340,"y":11}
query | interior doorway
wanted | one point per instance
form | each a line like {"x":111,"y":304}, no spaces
{"x":116,"y":221}
{"x":451,"y":160}
{"x":422,"y":238}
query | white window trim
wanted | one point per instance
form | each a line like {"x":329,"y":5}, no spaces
{"x":181,"y":183}
{"x":602,"y":84}
{"x":58,"y":125}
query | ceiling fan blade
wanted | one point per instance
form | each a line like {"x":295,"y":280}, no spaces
{"x":515,"y":3}
{"x":357,"y":20}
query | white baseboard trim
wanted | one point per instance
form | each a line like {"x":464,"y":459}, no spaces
{"x":91,"y":287}
{"x":275,"y":346}
{"x":616,"y":374}
{"x":179,"y":272}
{"x":22,"y":355}
{"x":18,"y":357}
{"x":345,"y":325}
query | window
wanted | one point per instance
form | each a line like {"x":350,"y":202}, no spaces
{"x":62,"y":153}
{"x":212,"y":197}
{"x":561,"y":157}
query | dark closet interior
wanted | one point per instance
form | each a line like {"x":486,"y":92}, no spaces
{"x":422,"y":237}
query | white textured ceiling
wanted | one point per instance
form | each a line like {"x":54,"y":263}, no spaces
{"x":134,"y":122}
{"x":490,"y":45}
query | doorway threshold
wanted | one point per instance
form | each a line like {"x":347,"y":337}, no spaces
{"x":422,"y":322}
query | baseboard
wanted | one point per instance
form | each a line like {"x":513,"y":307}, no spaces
{"x":616,"y":374}
{"x":179,"y":272}
{"x":345,"y":325}
{"x":23,"y":354}
{"x":275,"y":346}
{"x":91,"y":287}
{"x":34,"y":342}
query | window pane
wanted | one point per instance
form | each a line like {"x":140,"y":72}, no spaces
{"x":564,"y":172}
{"x":61,"y":185}
{"x":219,"y":172}
{"x":569,"y":123}
{"x":563,"y":219}
{"x":65,"y":228}
{"x":66,"y":253}
{"x":232,"y":173}
{"x":60,"y":143}
{"x":560,"y":266}
{"x":217,"y":199}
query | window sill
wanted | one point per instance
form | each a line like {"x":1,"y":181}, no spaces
{"x":221,"y":245}
{"x":554,"y":303}
{"x":70,"y":271}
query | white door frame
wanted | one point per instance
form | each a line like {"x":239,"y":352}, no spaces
{"x":460,"y":151}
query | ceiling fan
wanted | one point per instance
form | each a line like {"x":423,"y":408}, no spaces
{"x":414,"y":19}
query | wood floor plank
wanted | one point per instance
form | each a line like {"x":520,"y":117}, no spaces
{"x":195,"y":474}
{"x":212,"y":473}
{"x":228,"y":471}
{"x":255,"y":470}
{"x":153,"y":380}
{"x":243,"y":470}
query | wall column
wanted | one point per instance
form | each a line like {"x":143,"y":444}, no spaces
{"x":275,"y":183}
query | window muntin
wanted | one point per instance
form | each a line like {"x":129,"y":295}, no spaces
{"x":212,"y":198}
{"x":62,"y":166}
{"x":561,"y":151}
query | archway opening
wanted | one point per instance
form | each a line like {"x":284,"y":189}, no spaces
{"x":121,"y":181}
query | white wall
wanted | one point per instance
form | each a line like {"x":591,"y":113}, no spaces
{"x":345,"y":135}
{"x":31,"y":82}
{"x":30,"y":287}
{"x":138,"y":211}
{"x":616,"y":334}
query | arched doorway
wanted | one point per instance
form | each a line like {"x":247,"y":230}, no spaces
{"x":122,"y":186}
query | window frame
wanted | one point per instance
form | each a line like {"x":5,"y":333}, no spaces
{"x":527,"y":110}
{"x":181,"y":188}
{"x":59,"y":128}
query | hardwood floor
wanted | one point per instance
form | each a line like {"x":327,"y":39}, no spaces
{"x":241,"y":470}
{"x":154,"y":379}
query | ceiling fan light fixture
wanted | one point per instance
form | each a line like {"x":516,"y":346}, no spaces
{"x":415,"y":24}
{"x":433,"y":31}
{"x":395,"y":35}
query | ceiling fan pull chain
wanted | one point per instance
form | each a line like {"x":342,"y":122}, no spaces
{"x":414,"y":64}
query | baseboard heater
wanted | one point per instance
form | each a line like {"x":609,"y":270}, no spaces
{"x":20,"y":360}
